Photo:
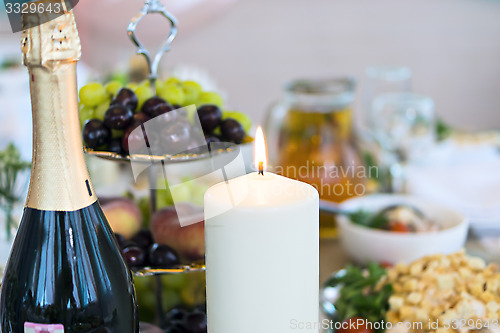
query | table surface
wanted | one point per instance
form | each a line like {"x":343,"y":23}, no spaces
{"x":331,"y":258}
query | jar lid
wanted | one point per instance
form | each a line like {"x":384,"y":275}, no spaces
{"x":331,"y":92}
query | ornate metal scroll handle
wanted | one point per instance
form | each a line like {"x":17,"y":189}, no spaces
{"x":151,"y":7}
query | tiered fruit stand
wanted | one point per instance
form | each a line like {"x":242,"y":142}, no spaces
{"x":157,"y":162}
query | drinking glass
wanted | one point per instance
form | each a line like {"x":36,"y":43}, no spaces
{"x":382,"y":80}
{"x":403,"y":126}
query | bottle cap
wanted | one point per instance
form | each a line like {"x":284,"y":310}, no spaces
{"x":53,"y":36}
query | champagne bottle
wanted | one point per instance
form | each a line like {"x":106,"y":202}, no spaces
{"x":65,"y":273}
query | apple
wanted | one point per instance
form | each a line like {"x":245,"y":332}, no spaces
{"x":123,"y":215}
{"x":188,"y":241}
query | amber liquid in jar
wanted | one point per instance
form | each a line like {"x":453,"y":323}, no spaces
{"x":315,"y":145}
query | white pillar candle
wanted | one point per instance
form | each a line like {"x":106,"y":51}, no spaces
{"x":262,"y":255}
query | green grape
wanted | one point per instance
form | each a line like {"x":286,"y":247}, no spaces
{"x":193,"y":84}
{"x":146,"y":297}
{"x":198,"y":194}
{"x":92,"y":94}
{"x":191,"y":95}
{"x":163,"y":196}
{"x":162,"y":183}
{"x":160,"y":85}
{"x":120,"y":77}
{"x":181,"y":192}
{"x":85,"y":114}
{"x":145,"y":207}
{"x":172,"y":80}
{"x":163,"y":199}
{"x":217,"y":131}
{"x":143,"y":92}
{"x":241,"y":117}
{"x":101,"y":109}
{"x":173,"y":94}
{"x":117,"y":134}
{"x":190,"y":112}
{"x":142,"y":284}
{"x":146,"y":83}
{"x":132,"y":85}
{"x":174,"y":281}
{"x":210,"y":97}
{"x":171,"y":298}
{"x":112,"y":88}
{"x":195,"y":293}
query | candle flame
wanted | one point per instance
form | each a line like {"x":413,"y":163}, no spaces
{"x":260,"y":151}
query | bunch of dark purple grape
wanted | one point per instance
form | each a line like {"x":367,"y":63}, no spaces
{"x":180,"y":320}
{"x":175,"y":132}
{"x":141,"y":251}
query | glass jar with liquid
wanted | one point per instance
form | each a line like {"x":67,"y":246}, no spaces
{"x":310,"y":138}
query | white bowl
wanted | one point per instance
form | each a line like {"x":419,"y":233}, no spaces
{"x":364,"y":244}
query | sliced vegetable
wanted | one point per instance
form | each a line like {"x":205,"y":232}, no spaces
{"x":355,"y":325}
{"x":400,"y":227}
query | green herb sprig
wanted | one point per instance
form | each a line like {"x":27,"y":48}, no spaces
{"x":359,"y":295}
{"x":11,"y":184}
{"x":369,"y":219}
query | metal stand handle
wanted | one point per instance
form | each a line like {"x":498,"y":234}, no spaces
{"x":152,"y":7}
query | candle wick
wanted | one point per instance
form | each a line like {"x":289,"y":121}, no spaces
{"x":261,"y":168}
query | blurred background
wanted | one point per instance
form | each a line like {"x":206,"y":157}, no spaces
{"x":250,"y":48}
{"x":445,"y":50}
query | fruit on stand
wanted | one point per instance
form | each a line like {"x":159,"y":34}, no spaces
{"x":134,"y":256}
{"x":145,"y":207}
{"x":155,"y":106}
{"x":174,"y":288}
{"x":118,"y":117}
{"x":171,"y":298}
{"x":123,"y":216}
{"x":210,"y":117}
{"x":180,"y":320}
{"x":127,"y":98}
{"x":112,"y":87}
{"x":146,"y":298}
{"x":93,"y":94}
{"x":143,"y":239}
{"x":120,"y":240}
{"x":110,"y":112}
{"x":189,"y":191}
{"x":115,"y":146}
{"x":141,"y":251}
{"x":184,"y":292}
{"x":192,"y":284}
{"x":240,"y":117}
{"x":95,"y":133}
{"x":232,"y":131}
{"x":161,"y":255}
{"x":210,"y":97}
{"x":195,"y":322}
{"x":188,"y":241}
{"x":148,"y":328}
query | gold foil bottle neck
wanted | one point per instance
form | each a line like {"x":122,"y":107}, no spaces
{"x":56,"y":40}
{"x":59,"y":177}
